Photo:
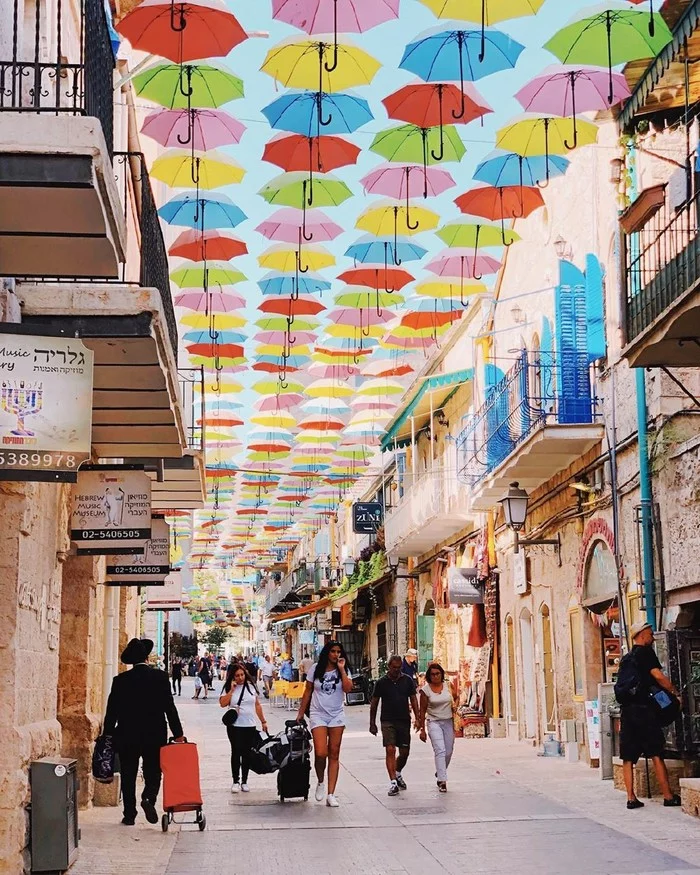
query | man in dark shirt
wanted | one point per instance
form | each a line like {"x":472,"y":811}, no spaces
{"x":395,"y":690}
{"x":409,"y":666}
{"x":640,"y":732}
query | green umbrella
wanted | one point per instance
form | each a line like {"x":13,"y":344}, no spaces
{"x":614,"y":34}
{"x":354,"y":297}
{"x":190,"y":85}
{"x":206,"y":275}
{"x":297,"y":190}
{"x":463,"y":234}
{"x":412,"y":145}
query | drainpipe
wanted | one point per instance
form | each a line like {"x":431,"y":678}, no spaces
{"x":645,"y":495}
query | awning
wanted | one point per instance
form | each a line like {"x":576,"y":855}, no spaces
{"x":303,"y":611}
{"x":419,"y":405}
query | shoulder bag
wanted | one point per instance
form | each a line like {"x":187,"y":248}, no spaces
{"x":231,"y":714}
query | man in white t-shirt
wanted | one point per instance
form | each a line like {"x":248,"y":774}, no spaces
{"x":305,"y":667}
{"x":267,"y":672}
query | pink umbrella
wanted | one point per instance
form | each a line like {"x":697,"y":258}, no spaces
{"x":566,"y":90}
{"x":204,"y":129}
{"x":394,"y":180}
{"x":360,"y":317}
{"x":425,"y":344}
{"x":463,"y":263}
{"x":287,"y":224}
{"x":215,"y":302}
{"x":283,"y":337}
{"x":278,"y":402}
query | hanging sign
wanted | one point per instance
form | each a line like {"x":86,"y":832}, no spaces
{"x":463,"y":587}
{"x":152,"y":566}
{"x":45,"y":406}
{"x":111,"y":510}
{"x":168,"y":596}
{"x":520,"y":572}
{"x":367,"y":517}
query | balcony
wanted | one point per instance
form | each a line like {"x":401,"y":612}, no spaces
{"x":662,"y":260}
{"x":59,"y":205}
{"x":432,"y":510}
{"x":536,"y":421}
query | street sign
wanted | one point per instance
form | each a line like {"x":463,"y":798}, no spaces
{"x":150,"y":567}
{"x":111,"y":510}
{"x":367,"y":517}
{"x":168,"y":596}
{"x":520,"y":572}
{"x":463,"y":587}
{"x":45,"y":406}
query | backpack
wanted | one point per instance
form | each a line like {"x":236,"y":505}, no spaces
{"x":629,"y":685}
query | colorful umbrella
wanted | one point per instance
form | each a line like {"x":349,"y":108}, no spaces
{"x":213,"y":302}
{"x":190,"y":85}
{"x":412,"y":145}
{"x":545,"y":135}
{"x":297,"y":152}
{"x":465,"y":234}
{"x":304,"y":64}
{"x":204,"y":274}
{"x":180,"y":169}
{"x":383,"y":220}
{"x":203,"y":129}
{"x":301,"y":306}
{"x":195,"y":245}
{"x":299,"y":191}
{"x":285,"y":225}
{"x":510,"y":202}
{"x":371,"y":249}
{"x":194,"y":210}
{"x":508,"y":169}
{"x":303,"y":113}
{"x":394,"y":181}
{"x":285,"y":260}
{"x":182,"y":31}
{"x":463,"y":264}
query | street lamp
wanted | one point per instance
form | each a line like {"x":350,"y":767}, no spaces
{"x":394,"y":560}
{"x":514,"y":504}
{"x":348,"y":566}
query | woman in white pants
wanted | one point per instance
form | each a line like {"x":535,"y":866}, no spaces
{"x":437,"y":704}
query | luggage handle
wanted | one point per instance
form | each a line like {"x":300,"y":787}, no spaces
{"x":295,"y":723}
{"x":171,"y":740}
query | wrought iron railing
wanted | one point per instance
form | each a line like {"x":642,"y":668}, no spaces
{"x":59,"y":66}
{"x":662,"y":262}
{"x":194,"y":405}
{"x":153,"y":267}
{"x":537,"y":391}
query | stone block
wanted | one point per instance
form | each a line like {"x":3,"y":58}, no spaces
{"x":677,"y":770}
{"x":497,"y":727}
{"x":107,"y":795}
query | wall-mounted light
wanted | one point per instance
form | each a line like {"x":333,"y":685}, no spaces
{"x":349,"y":566}
{"x":394,"y":560}
{"x":562,"y":248}
{"x":616,"y":166}
{"x":514,"y":504}
{"x":517,"y":314}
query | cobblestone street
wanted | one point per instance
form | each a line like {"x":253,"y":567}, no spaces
{"x":507,"y":811}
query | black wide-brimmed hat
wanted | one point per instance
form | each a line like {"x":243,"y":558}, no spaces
{"x":137,"y":650}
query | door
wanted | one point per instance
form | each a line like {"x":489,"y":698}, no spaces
{"x":426,"y":630}
{"x":549,"y":723}
{"x":528,"y":668}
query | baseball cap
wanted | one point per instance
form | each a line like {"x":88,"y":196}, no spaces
{"x":412,"y":651}
{"x":636,"y":628}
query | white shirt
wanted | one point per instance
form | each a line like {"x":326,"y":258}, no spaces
{"x":328,"y":698}
{"x":439,"y":704}
{"x":267,"y":669}
{"x":306,"y":664}
{"x":246,"y":710}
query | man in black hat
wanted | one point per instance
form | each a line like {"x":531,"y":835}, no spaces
{"x":139,"y":702}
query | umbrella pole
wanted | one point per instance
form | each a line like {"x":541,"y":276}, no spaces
{"x":194,"y":171}
{"x":298,"y":258}
{"x":608,"y":27}
{"x":442,"y":130}
{"x":190,"y":130}
{"x":572,"y":77}
{"x":460,"y":46}
{"x":424,"y":135}
{"x":303,"y":222}
{"x":482,"y":53}
{"x":461,"y":284}
{"x":334,"y":65}
{"x":187,"y":70}
{"x":410,"y":226}
{"x":323,"y":122}
{"x":652,"y":25}
{"x":546,"y":155}
{"x":476,"y":252}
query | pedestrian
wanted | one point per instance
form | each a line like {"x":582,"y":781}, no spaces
{"x":192,"y":669}
{"x":305,"y":667}
{"x":324,"y":695}
{"x":267,"y":673}
{"x":251,"y":666}
{"x":139,"y":703}
{"x":286,"y":669}
{"x":176,"y":675}
{"x":437,"y":704}
{"x":395,"y":691}
{"x":641,"y":733}
{"x":409,"y":665}
{"x":202,"y":681}
{"x":212,"y":673}
{"x":240,"y":694}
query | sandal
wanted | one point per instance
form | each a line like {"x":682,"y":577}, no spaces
{"x":442,"y":786}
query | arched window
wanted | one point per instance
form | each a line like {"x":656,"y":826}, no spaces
{"x":548,"y":698}
{"x":600,"y":581}
{"x":511,"y":677}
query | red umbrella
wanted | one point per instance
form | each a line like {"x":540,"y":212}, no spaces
{"x":377,"y":278}
{"x":215,"y":350}
{"x":502,"y":202}
{"x":304,"y":305}
{"x":197,"y":246}
{"x":297,"y":152}
{"x":270,"y":368}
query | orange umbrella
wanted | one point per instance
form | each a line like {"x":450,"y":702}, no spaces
{"x":197,"y":246}
{"x":215,"y":350}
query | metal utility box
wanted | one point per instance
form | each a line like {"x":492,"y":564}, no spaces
{"x":54,"y":814}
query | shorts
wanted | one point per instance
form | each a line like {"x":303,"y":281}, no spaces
{"x":640,"y":734}
{"x":318,"y":720}
{"x":396,"y":734}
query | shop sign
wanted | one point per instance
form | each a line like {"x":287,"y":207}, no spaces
{"x":167,"y":596}
{"x":152,"y":566}
{"x":367,"y":517}
{"x":463,"y":587}
{"x":45,"y":406}
{"x":520,"y":572}
{"x":593,"y":728}
{"x":307,"y":636}
{"x":111,"y":510}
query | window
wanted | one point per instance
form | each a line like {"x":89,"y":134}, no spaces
{"x":547,"y":669}
{"x":381,"y":641}
{"x":576,"y":635}
{"x":600,"y":588}
{"x":393,"y":630}
{"x":510,"y":651}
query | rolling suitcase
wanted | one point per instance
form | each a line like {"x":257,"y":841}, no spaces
{"x":179,"y":763}
{"x":293,"y":778}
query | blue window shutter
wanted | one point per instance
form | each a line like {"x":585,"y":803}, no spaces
{"x":498,"y":440}
{"x":595,"y":306}
{"x":547,"y":367}
{"x":573,"y":379}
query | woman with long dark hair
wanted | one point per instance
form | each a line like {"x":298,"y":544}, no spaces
{"x":438,"y":704}
{"x":327,"y":683}
{"x":241,"y":694}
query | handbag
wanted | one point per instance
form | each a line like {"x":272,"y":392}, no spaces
{"x":666,"y":707}
{"x":231,"y":715}
{"x":103,"y":759}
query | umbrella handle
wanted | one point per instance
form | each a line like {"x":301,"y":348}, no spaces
{"x":460,"y":46}
{"x":378,"y":308}
{"x":546,"y":152}
{"x":409,"y":224}
{"x":187,"y":70}
{"x":573,"y":113}
{"x":301,"y":269}
{"x":190,"y":129}
{"x":310,"y":236}
{"x":322,"y":122}
{"x":476,"y":251}
{"x":608,"y":27}
{"x":424,"y":135}
{"x":308,"y":185}
{"x":441,"y":155}
{"x":482,"y":53}
{"x":194,"y":172}
{"x":178,"y":28}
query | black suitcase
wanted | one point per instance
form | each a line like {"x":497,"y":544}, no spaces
{"x":293,"y":779}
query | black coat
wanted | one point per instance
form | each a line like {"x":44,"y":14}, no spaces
{"x":138,"y":704}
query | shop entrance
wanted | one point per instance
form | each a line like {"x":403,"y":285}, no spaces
{"x":528,"y":668}
{"x":426,"y":632}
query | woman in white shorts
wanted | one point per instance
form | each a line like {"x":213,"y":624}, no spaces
{"x":328,"y":682}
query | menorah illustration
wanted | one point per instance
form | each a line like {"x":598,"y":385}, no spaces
{"x":22,"y":400}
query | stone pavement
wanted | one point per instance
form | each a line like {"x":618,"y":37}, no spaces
{"x":507,"y":811}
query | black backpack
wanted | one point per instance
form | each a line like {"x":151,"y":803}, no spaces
{"x":629,"y":686}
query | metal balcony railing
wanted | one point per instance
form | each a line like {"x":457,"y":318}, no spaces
{"x":662,"y":262}
{"x":60,"y":66}
{"x":193,"y":404}
{"x":537,"y":391}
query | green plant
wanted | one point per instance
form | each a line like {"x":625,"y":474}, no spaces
{"x":215,"y":638}
{"x":377,"y":565}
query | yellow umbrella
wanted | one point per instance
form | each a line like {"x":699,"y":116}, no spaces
{"x":222,"y":362}
{"x":354,"y":333}
{"x":447,"y":288}
{"x":407,"y":331}
{"x":329,"y":389}
{"x":381,"y":387}
{"x":275,"y":420}
{"x":545,"y":135}
{"x":389,"y":219}
{"x":217,"y":321}
{"x":180,"y":169}
{"x":309,"y":65}
{"x":284,"y":260}
{"x":279,"y":349}
{"x":489,"y":12}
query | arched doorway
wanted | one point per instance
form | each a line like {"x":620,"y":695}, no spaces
{"x":599,"y":595}
{"x":426,"y":633}
{"x":511,"y":677}
{"x":527,"y":651}
{"x":547,"y":668}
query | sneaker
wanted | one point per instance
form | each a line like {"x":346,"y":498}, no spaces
{"x":320,"y":791}
{"x":635,"y":803}
{"x":401,"y":783}
{"x":673,"y":802}
{"x":331,"y":801}
{"x":393,"y":789}
{"x":235,"y":787}
{"x":442,"y":786}
{"x":149,"y":810}
{"x":245,"y":788}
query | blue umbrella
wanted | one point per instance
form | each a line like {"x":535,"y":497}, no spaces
{"x":302,"y":112}
{"x":455,"y":55}
{"x":507,"y":168}
{"x":285,"y":284}
{"x":221,"y":336}
{"x":195,"y":210}
{"x":371,"y":250}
